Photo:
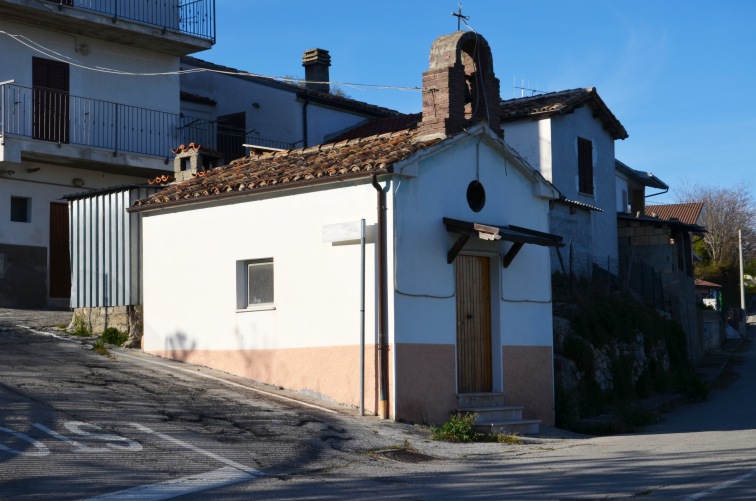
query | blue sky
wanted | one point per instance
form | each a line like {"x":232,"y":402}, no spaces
{"x":678,"y":74}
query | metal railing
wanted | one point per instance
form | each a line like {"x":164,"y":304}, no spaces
{"x":191,"y":17}
{"x":58,"y":117}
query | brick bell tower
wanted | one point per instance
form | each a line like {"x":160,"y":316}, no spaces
{"x":460,"y":87}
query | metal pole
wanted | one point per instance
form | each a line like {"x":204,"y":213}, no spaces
{"x":362,"y":318}
{"x":742,"y":286}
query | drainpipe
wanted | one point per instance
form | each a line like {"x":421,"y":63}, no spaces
{"x":380,"y":244}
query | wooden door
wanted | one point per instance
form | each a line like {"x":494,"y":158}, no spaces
{"x":474,"y":353}
{"x":51,"y":101}
{"x":60,"y":262}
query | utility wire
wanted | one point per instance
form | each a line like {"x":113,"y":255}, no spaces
{"x":50,"y":53}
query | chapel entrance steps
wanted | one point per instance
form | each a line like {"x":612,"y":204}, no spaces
{"x":493,"y":416}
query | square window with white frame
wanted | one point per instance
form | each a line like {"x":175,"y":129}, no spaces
{"x":259,"y":283}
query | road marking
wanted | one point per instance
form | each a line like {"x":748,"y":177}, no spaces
{"x":42,"y":449}
{"x":181,"y":486}
{"x":719,"y":487}
{"x":230,"y":383}
{"x":232,"y":464}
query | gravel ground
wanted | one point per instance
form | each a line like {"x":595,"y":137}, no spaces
{"x":47,"y":320}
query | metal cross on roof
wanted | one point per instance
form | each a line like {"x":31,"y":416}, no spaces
{"x":459,"y":16}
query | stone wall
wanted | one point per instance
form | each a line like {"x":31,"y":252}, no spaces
{"x":127,"y":319}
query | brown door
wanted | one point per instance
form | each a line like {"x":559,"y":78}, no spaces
{"x":60,"y":262}
{"x":474,"y":362}
{"x":51,"y":102}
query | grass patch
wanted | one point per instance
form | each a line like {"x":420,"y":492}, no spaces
{"x":80,"y":327}
{"x":114,"y":336}
{"x":99,"y":348}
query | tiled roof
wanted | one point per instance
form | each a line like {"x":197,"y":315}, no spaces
{"x":381,"y":126}
{"x":560,"y":103}
{"x":324,"y":97}
{"x":283,"y":169}
{"x":704,"y":283}
{"x":686,"y":213}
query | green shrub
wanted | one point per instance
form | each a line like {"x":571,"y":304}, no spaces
{"x":114,"y":336}
{"x":459,"y":428}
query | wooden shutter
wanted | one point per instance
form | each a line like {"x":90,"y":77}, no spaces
{"x":585,"y":166}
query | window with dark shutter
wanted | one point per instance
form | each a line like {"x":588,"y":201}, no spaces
{"x":585,"y":166}
{"x":51,"y":102}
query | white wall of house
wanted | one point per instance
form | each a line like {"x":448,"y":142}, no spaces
{"x":425,"y":292}
{"x":565,"y":131}
{"x":277,"y":113}
{"x":310,"y":340}
{"x":153,"y":92}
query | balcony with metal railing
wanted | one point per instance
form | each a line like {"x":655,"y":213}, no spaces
{"x":175,"y":26}
{"x":46,"y":116}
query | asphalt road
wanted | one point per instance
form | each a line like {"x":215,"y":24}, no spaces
{"x":78,"y":425}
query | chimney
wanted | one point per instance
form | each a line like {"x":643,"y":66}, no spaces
{"x":316,"y":63}
{"x":459,"y":87}
{"x":194,"y":160}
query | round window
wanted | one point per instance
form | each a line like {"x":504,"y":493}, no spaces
{"x":476,"y":196}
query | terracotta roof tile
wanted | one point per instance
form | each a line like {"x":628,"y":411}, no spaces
{"x":562,"y":102}
{"x":688,"y":213}
{"x":271,"y":169}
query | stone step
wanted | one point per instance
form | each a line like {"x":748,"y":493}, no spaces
{"x":519,"y":427}
{"x":478,"y":400}
{"x":488,"y":415}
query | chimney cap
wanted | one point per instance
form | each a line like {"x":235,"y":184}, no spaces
{"x":316,"y":56}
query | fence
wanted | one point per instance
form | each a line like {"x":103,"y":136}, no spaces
{"x":59,"y":117}
{"x":191,"y":17}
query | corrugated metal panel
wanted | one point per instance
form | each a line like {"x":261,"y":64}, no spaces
{"x":106,"y":249}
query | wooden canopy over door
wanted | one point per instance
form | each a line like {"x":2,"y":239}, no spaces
{"x":474,"y":353}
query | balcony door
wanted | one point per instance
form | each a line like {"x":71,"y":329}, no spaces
{"x":231,"y":136}
{"x":50,"y":80}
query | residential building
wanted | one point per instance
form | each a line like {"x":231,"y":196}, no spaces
{"x":269,"y":113}
{"x":569,"y":137}
{"x":89,"y":99}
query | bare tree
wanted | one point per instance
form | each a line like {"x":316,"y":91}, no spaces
{"x":725,"y":211}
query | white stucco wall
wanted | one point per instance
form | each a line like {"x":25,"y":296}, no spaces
{"x":424,"y":280}
{"x":316,"y":284}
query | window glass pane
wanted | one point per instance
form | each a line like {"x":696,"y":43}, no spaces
{"x":20,"y":209}
{"x":260,"y":283}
